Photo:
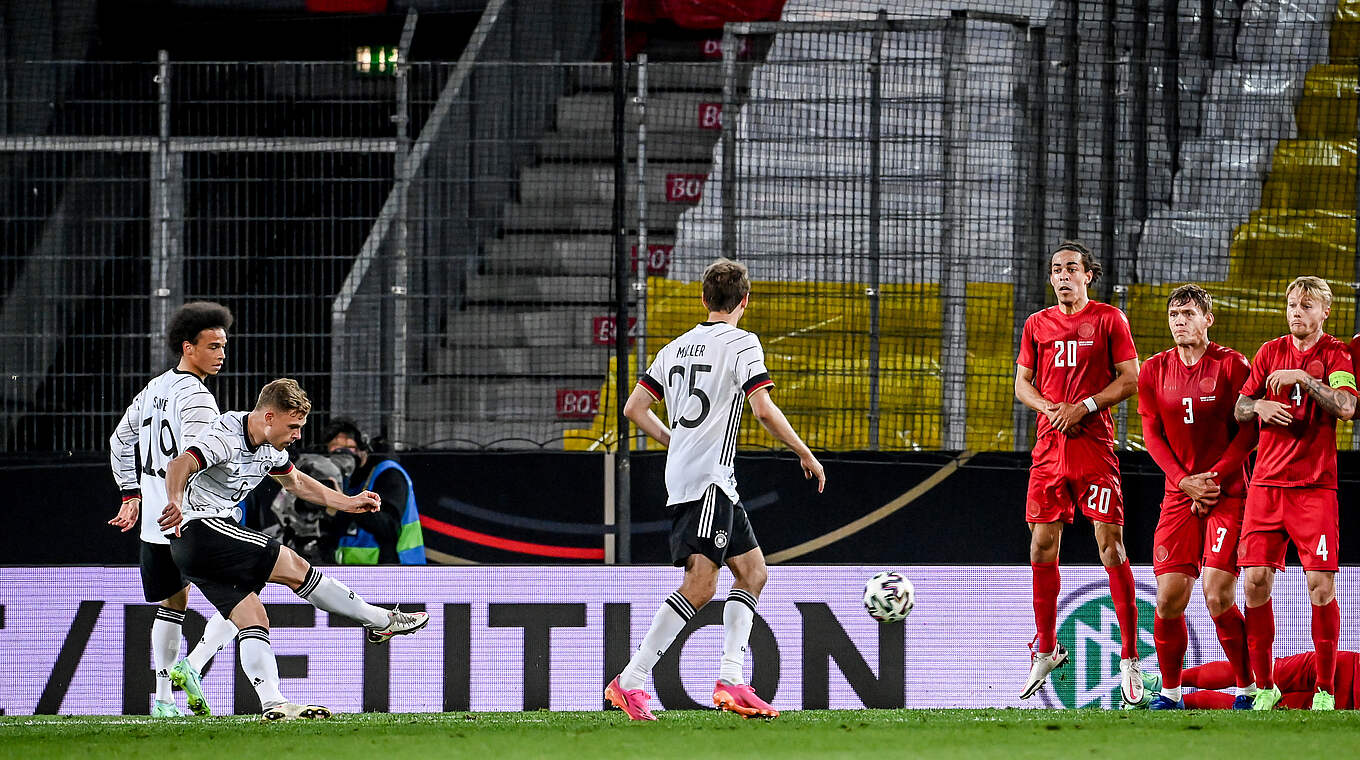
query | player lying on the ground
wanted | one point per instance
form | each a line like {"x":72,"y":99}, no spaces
{"x":1295,"y":676}
{"x":231,"y":564}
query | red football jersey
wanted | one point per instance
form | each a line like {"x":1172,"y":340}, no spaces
{"x":1302,"y":455}
{"x":1073,"y":357}
{"x":1195,"y":408}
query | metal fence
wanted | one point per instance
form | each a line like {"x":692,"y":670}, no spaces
{"x":433,"y":253}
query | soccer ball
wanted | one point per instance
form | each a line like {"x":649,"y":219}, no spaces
{"x":889,"y":596}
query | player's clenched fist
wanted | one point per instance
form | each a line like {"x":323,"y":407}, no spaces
{"x":365,"y":502}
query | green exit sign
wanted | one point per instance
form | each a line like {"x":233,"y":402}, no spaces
{"x":375,"y":60}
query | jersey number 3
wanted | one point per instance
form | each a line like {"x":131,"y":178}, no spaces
{"x":704,"y":404}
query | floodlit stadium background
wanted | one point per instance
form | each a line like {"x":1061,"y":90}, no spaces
{"x":434,"y":254}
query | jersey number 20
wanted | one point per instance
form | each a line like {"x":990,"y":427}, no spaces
{"x":1064,"y":353}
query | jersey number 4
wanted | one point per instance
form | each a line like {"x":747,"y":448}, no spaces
{"x":165,"y":441}
{"x":704,"y":404}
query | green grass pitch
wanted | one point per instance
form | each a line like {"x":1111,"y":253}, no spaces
{"x":1046,"y":734}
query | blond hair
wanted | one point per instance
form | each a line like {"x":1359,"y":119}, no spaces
{"x":1315,"y":287}
{"x":725,"y":284}
{"x":284,"y":395}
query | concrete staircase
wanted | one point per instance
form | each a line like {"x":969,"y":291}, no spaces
{"x":530,"y":324}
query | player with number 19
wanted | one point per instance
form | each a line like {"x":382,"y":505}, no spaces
{"x":1300,"y":385}
{"x":1077,"y":359}
{"x":706,"y":376}
{"x":172,"y":409}
{"x":1185,"y":398}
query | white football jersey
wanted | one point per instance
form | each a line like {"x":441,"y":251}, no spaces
{"x":171,"y":410}
{"x":229,"y":468}
{"x":705,"y":377}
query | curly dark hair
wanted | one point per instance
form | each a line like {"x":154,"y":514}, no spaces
{"x":193,"y":318}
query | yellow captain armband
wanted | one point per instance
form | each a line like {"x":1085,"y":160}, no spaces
{"x":1341,"y":379}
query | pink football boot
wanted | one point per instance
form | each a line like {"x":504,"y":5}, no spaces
{"x":742,"y":700}
{"x":631,"y":701}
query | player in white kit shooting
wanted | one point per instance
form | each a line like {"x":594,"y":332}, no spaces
{"x":230,"y":564}
{"x":705,"y":377}
{"x":173,"y":408}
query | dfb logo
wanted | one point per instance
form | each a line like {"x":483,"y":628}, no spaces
{"x":1088,"y":627}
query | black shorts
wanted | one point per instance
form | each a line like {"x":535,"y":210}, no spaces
{"x":226,"y":561}
{"x":712,"y":526}
{"x":161,"y":578}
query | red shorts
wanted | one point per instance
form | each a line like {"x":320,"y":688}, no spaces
{"x":1069,"y":471}
{"x":1184,"y":543}
{"x":1309,"y":516}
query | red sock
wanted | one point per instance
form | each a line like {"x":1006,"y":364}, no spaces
{"x":1326,"y":630}
{"x":1210,"y":675}
{"x":1232,"y":634}
{"x":1208,"y":700}
{"x":1125,"y":607}
{"x":1047,"y":583}
{"x":1171,"y":639}
{"x":1261,"y":643}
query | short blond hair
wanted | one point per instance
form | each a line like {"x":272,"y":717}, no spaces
{"x":1311,"y":286}
{"x":284,"y":395}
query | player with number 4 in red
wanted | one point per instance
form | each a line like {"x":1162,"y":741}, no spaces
{"x":1299,"y":386}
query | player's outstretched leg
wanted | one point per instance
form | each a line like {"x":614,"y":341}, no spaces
{"x":334,"y":597}
{"x":625,"y":691}
{"x":187,"y":672}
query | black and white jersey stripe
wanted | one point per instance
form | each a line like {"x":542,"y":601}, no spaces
{"x":229,"y":468}
{"x":171,"y":410}
{"x":705,"y":377}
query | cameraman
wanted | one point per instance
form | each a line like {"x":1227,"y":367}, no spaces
{"x":391,"y":535}
{"x":302,"y":525}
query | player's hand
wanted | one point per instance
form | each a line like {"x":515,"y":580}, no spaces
{"x":813,"y":469}
{"x":366,"y":501}
{"x":1272,"y":413}
{"x":1067,"y":416}
{"x":171,"y":517}
{"x":1280,"y":379}
{"x":126,"y":518}
{"x":1202,"y":488}
{"x":1200,"y":510}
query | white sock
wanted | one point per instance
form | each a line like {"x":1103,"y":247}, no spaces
{"x":257,"y":660}
{"x":1173,"y":694}
{"x":333,"y":596}
{"x":670,"y":618}
{"x":165,"y":636}
{"x":1250,"y":689}
{"x":216,"y":635}
{"x":738,"y":614}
